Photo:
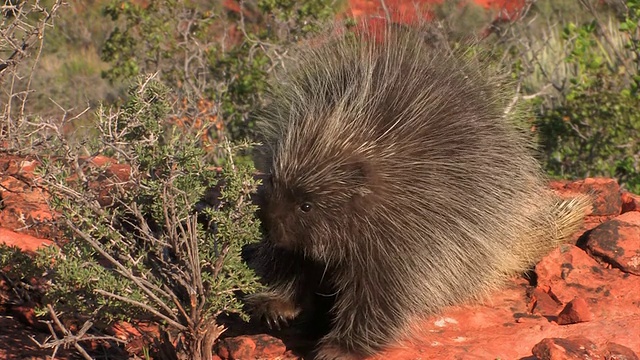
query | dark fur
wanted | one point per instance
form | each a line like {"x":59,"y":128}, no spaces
{"x":422,"y":193}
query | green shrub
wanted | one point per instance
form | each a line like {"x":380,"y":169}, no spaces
{"x":140,"y":245}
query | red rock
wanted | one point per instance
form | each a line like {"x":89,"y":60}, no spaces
{"x":27,"y":316}
{"x":121,"y":171}
{"x":591,"y":222}
{"x":16,"y":342}
{"x":576,"y":311}
{"x":100,"y":160}
{"x":606,"y":193}
{"x":578,"y":348}
{"x":615,"y":351}
{"x":125,"y":331}
{"x":401,"y":11}
{"x":24,"y":205}
{"x":544,"y":303}
{"x":16,"y":165}
{"x":25,"y":242}
{"x":137,"y":336}
{"x":569,"y":271}
{"x":630,"y":202}
{"x":251,"y":347}
{"x":240,"y":347}
{"x":617,"y":242}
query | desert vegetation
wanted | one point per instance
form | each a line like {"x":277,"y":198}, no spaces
{"x":139,"y":114}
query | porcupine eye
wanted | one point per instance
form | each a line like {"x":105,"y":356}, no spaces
{"x":305,"y":207}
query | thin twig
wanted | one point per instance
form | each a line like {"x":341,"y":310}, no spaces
{"x":70,"y":338}
{"x":128,"y":274}
{"x":144,"y":306}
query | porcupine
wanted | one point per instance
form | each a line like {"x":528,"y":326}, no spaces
{"x":396,"y":182}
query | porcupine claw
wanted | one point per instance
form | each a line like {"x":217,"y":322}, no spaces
{"x":284,"y":321}
{"x":269,"y":321}
{"x":272,"y":310}
{"x":276,"y":321}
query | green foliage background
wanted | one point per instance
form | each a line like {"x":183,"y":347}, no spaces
{"x":154,"y":38}
{"x":585,"y":122}
{"x":588,"y":124}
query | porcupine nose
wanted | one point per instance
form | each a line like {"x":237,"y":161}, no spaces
{"x":277,"y":223}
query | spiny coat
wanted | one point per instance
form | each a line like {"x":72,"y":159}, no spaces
{"x":398,"y":184}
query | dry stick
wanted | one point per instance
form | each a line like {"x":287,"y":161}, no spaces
{"x":191,"y":244}
{"x":33,"y":33}
{"x":387,"y":15}
{"x":165,"y":291}
{"x":518,"y":96}
{"x":535,"y":60}
{"x":169,"y":220}
{"x":112,"y":135}
{"x":194,"y":263}
{"x":74,"y":160}
{"x":90,"y":204}
{"x":193,"y":289}
{"x":40,"y":34}
{"x":144,"y":226}
{"x":8,"y":109}
{"x":217,"y":267}
{"x":181,"y":309}
{"x":187,"y":38}
{"x":213,"y":332}
{"x":194,"y":260}
{"x":124,"y":271}
{"x":257,"y":42}
{"x":68,"y":335}
{"x":143,"y":306}
{"x":143,"y":86}
{"x":27,"y":40}
{"x":176,"y":302}
{"x":41,"y":126}
{"x":147,"y":283}
{"x":197,"y":297}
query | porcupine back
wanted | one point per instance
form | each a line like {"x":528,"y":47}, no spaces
{"x":423,"y":188}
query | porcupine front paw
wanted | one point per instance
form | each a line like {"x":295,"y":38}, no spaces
{"x":273,"y":309}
